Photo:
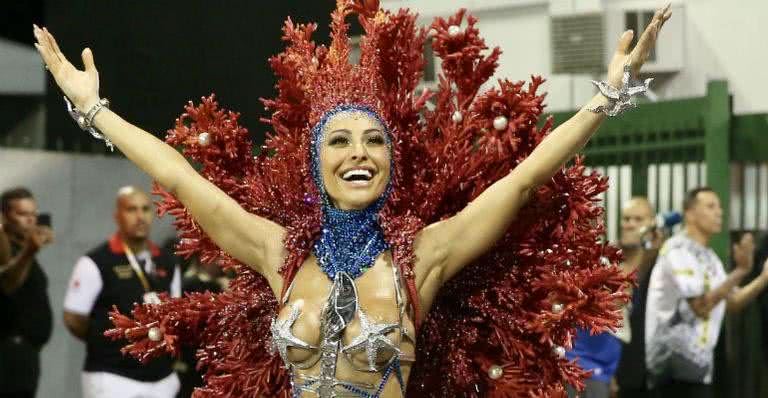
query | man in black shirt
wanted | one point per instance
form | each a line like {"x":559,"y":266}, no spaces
{"x":25,"y":312}
{"x":125,"y":269}
{"x":640,"y":253}
{"x":761,"y":259}
{"x":5,"y":248}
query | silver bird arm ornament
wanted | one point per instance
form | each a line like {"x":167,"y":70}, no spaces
{"x":620,"y":99}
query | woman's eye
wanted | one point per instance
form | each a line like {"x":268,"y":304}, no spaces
{"x":376,"y":140}
{"x":338,"y":140}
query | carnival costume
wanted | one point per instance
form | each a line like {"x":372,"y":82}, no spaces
{"x":498,"y":328}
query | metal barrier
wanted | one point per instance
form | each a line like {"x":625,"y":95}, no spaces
{"x":661,"y":150}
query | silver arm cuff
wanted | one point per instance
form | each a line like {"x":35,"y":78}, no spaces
{"x":619,"y":99}
{"x":85,"y":121}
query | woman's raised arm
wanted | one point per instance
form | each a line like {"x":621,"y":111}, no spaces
{"x":253,"y":240}
{"x":449,"y":245}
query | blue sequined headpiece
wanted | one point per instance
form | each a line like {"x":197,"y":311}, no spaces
{"x":350,"y":240}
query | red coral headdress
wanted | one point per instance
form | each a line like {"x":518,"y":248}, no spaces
{"x":500,"y":311}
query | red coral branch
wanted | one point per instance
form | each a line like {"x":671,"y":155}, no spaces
{"x":497,"y":312}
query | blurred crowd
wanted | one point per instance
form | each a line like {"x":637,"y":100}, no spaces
{"x":124,"y":269}
{"x":665,"y":347}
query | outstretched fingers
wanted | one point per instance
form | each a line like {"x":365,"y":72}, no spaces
{"x":44,"y":41}
{"x":666,"y":14}
{"x":54,"y":46}
{"x":645,"y":44}
{"x":647,"y":40}
{"x":52,"y":62}
{"x":49,"y":50}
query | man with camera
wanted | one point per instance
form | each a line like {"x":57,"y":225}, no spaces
{"x":601,"y":353}
{"x":25,"y":312}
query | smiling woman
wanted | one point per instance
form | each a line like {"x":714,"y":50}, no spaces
{"x":355,"y":158}
{"x":369,"y":220}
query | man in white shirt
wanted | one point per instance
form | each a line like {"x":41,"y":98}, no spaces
{"x":124,"y":270}
{"x":688,"y":295}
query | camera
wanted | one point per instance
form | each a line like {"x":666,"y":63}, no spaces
{"x":44,"y":219}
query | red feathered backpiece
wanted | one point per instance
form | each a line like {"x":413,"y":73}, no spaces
{"x":516,"y":307}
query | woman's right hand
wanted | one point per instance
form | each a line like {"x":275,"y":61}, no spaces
{"x":81,"y":87}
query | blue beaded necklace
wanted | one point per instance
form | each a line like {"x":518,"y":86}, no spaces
{"x":350,"y":240}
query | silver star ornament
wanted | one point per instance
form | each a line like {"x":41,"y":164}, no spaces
{"x":282,"y":337}
{"x":620,"y":99}
{"x":372,"y":338}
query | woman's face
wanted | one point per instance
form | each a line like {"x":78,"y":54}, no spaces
{"x":354,"y":160}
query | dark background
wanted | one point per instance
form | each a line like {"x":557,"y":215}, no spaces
{"x":154,"y":56}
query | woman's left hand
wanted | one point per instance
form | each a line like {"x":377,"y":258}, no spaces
{"x":637,"y":57}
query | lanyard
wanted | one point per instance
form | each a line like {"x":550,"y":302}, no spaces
{"x":136,"y":268}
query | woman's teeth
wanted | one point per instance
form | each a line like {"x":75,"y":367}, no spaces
{"x":357,"y":175}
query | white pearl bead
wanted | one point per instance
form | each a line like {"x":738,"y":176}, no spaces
{"x":559,"y":352}
{"x":500,"y":123}
{"x":454,"y":30}
{"x":557,"y":308}
{"x":605,"y":261}
{"x":155,"y":334}
{"x":457,"y":117}
{"x":495,"y":372}
{"x":204,"y":139}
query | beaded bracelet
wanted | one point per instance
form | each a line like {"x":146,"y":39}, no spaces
{"x":85,"y":120}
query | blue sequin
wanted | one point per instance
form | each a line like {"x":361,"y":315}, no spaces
{"x":393,"y":367}
{"x":350,"y":240}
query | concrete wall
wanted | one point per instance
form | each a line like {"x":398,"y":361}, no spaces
{"x":721,"y":40}
{"x":79,"y":193}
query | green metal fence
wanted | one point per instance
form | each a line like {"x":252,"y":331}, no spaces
{"x":663,"y":149}
{"x":691,"y":131}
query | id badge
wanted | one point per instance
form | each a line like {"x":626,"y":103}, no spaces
{"x":151,"y":298}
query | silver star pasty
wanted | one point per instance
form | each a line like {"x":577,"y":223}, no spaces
{"x":372,"y":338}
{"x":282,"y":337}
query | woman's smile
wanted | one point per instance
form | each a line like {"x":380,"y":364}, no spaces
{"x":354,"y":160}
